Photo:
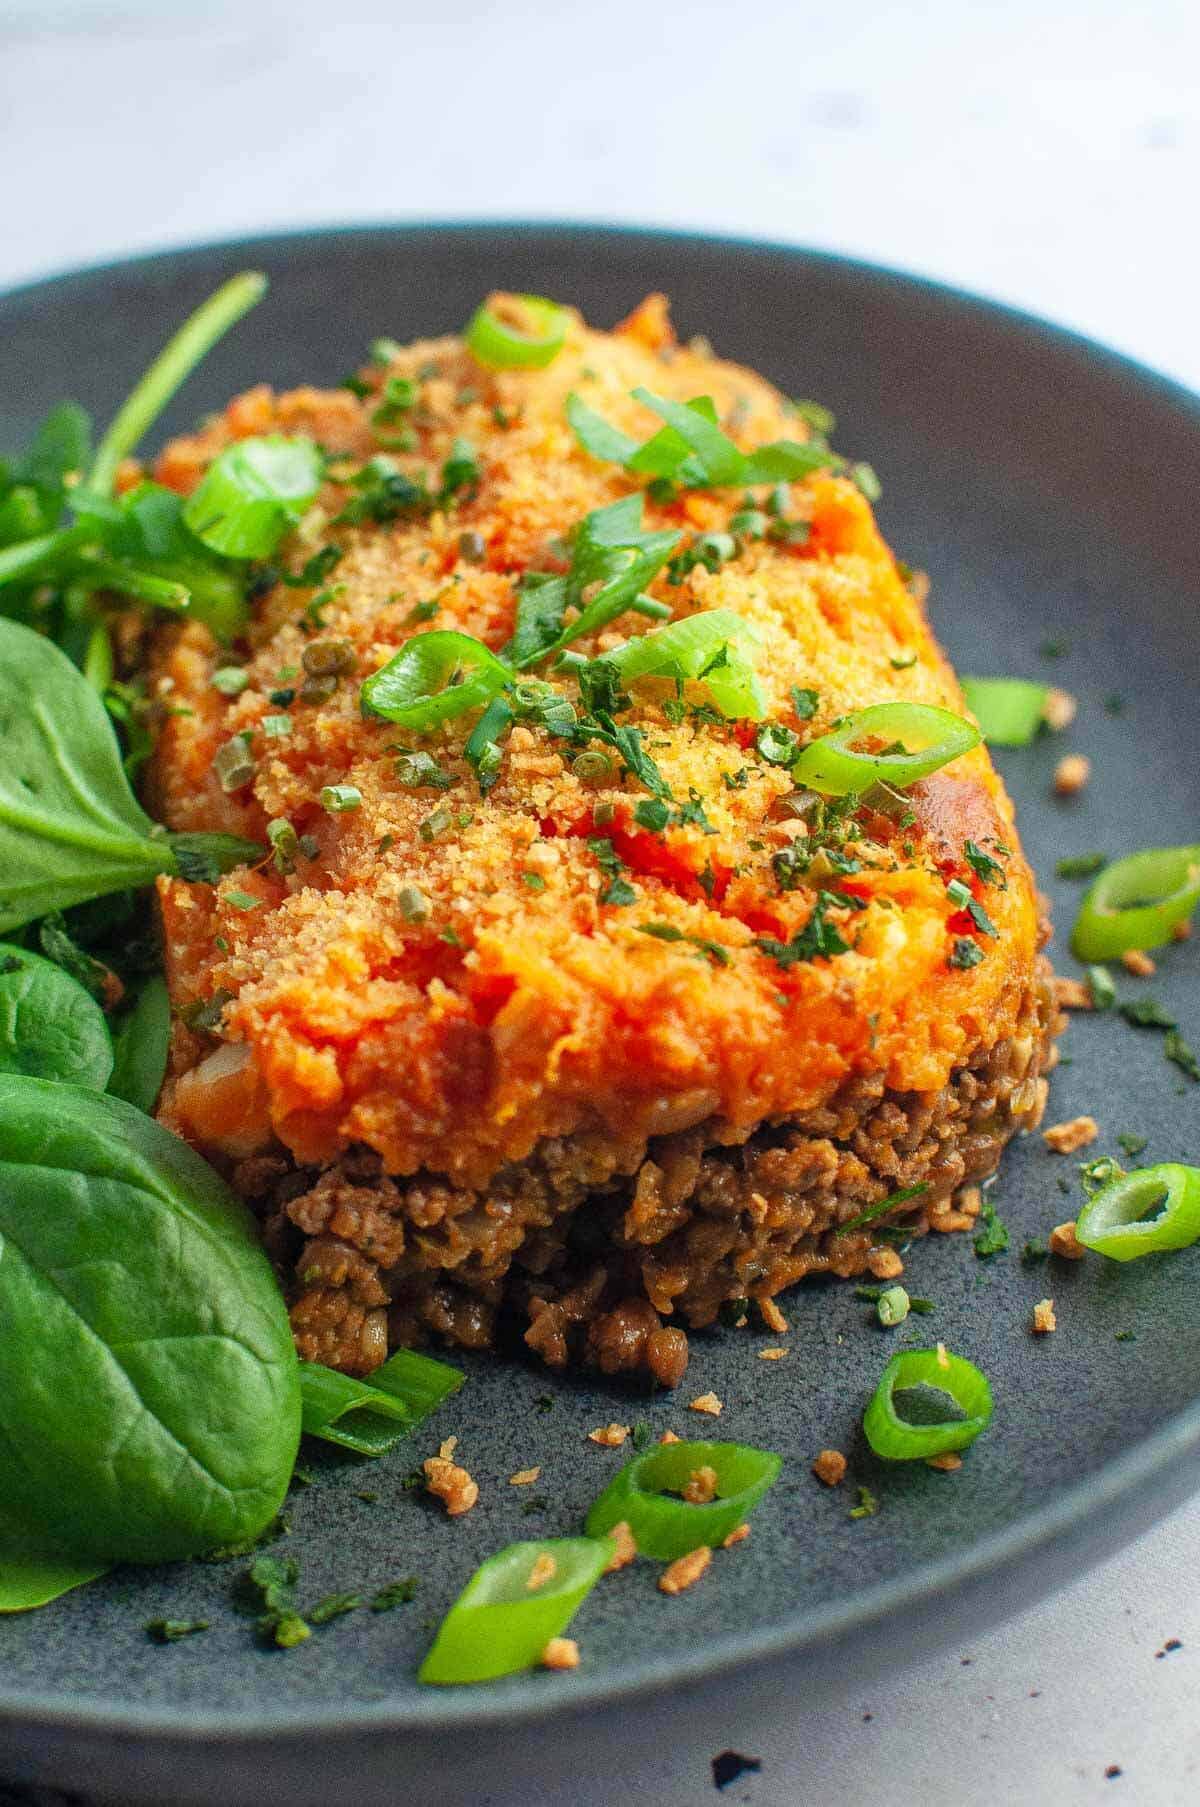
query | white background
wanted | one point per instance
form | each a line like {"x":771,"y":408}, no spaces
{"x":1045,"y":153}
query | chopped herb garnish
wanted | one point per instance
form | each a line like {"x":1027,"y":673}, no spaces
{"x":641,"y":1435}
{"x":230,"y":680}
{"x":867,"y":1505}
{"x":169,"y":1631}
{"x":819,"y":938}
{"x":776,"y":744}
{"x":534,"y":880}
{"x":904,"y":664}
{"x":420,"y":771}
{"x":276,"y":727}
{"x":1054,"y":649}
{"x":395,"y":1593}
{"x":964,"y":953}
{"x":1131,"y":1145}
{"x":423,"y":611}
{"x":1081,"y":865}
{"x":1147,"y":1013}
{"x":332,"y":1607}
{"x":240,"y":900}
{"x":882,"y":1207}
{"x":990,"y":871}
{"x":1184,"y":1057}
{"x":1033,"y":1252}
{"x":340,"y":798}
{"x":666,"y":931}
{"x":993,"y":1236}
{"x":616,"y":890}
{"x":1100,"y":985}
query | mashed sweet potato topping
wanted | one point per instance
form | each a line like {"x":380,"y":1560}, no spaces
{"x":437,"y":977}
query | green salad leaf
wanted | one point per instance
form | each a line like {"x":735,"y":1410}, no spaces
{"x":149,"y":1387}
{"x":70,"y":827}
{"x":140,"y":1042}
{"x":49,"y":1026}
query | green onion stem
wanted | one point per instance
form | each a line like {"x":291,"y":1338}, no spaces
{"x":899,"y":1439}
{"x":170,"y":369}
{"x":647,"y":1495}
{"x":1141,"y":1212}
{"x":368,"y":1416}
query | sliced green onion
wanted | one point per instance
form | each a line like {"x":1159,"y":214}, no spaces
{"x":931,"y":738}
{"x":173,"y":365}
{"x":339,"y":798}
{"x":882,"y":1207}
{"x":936,"y":1371}
{"x":504,"y":1618}
{"x":1137,"y":902}
{"x":433,"y":678}
{"x":712,"y":648}
{"x":1138,"y":1213}
{"x":368,"y":1416}
{"x":252,"y":493}
{"x":529,"y":341}
{"x":646,"y":1494}
{"x":1008,"y":710}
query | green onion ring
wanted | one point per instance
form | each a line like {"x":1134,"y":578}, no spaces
{"x":1137,"y":902}
{"x":897,"y":1440}
{"x":1009,"y":710}
{"x":368,"y":1416}
{"x":501,"y":345}
{"x":433,"y":678}
{"x":499,"y":1623}
{"x":1114,"y":1221}
{"x":665,"y":1526}
{"x":832,"y":766}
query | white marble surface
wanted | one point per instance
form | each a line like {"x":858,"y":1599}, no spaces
{"x":1046,"y":154}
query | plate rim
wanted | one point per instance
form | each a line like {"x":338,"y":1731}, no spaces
{"x":1136,"y":1470}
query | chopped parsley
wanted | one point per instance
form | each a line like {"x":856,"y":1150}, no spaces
{"x":1033,"y":1252}
{"x":534,"y":880}
{"x":169,"y":1631}
{"x":395,"y":1593}
{"x":421,"y":771}
{"x":1132,"y":1145}
{"x":964,"y":953}
{"x":616,"y":889}
{"x":819,"y":938}
{"x":805,"y":702}
{"x":1081,"y":865}
{"x":1147,"y":1013}
{"x":961,"y":895}
{"x":666,"y":931}
{"x":423,"y":611}
{"x":777,"y":744}
{"x":1184,"y":1056}
{"x":993,"y":1236}
{"x":985,"y":868}
{"x":867,"y":1505}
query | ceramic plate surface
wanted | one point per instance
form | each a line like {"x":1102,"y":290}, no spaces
{"x":1049,"y":488}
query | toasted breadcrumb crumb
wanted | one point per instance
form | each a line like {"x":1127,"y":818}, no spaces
{"x":701,"y":1486}
{"x":670,"y":1437}
{"x":947,"y":1220}
{"x":970,"y":1201}
{"x":772,"y":1317}
{"x":1059,"y":709}
{"x":774,"y":1354}
{"x":447,"y":1447}
{"x":1044,"y":1320}
{"x":685,"y":1571}
{"x":707,"y":1402}
{"x":524,"y":1477}
{"x":544,"y":1569}
{"x":739,"y":1534}
{"x":1073,"y":994}
{"x":1068,"y":1137}
{"x":1064,"y":1242}
{"x":830,"y":1467}
{"x":885,"y":1264}
{"x":560,"y":1653}
{"x":1139,"y":964}
{"x":450,"y":1484}
{"x":625,"y":1547}
{"x":1071,"y":774}
{"x":610,"y":1435}
{"x":948,"y":1461}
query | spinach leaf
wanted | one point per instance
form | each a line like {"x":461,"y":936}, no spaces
{"x":49,"y":1027}
{"x":70,"y":827}
{"x":149,"y":1389}
{"x":30,"y":1578}
{"x":140,"y":1047}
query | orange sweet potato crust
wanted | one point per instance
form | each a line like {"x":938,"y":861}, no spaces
{"x":523,"y":1007}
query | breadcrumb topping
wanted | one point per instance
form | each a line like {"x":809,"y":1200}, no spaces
{"x":1044,"y":1320}
{"x":1064,"y":1242}
{"x":626,"y":1547}
{"x":685,"y":1571}
{"x":707,"y":1402}
{"x":560,"y":1653}
{"x":1068,"y":1137}
{"x":610,"y":1436}
{"x":830,"y":1467}
{"x":450,"y":1484}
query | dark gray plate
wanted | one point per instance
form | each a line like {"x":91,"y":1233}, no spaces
{"x":1049,"y":488}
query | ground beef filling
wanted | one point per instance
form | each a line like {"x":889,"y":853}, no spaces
{"x":586,"y":1247}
